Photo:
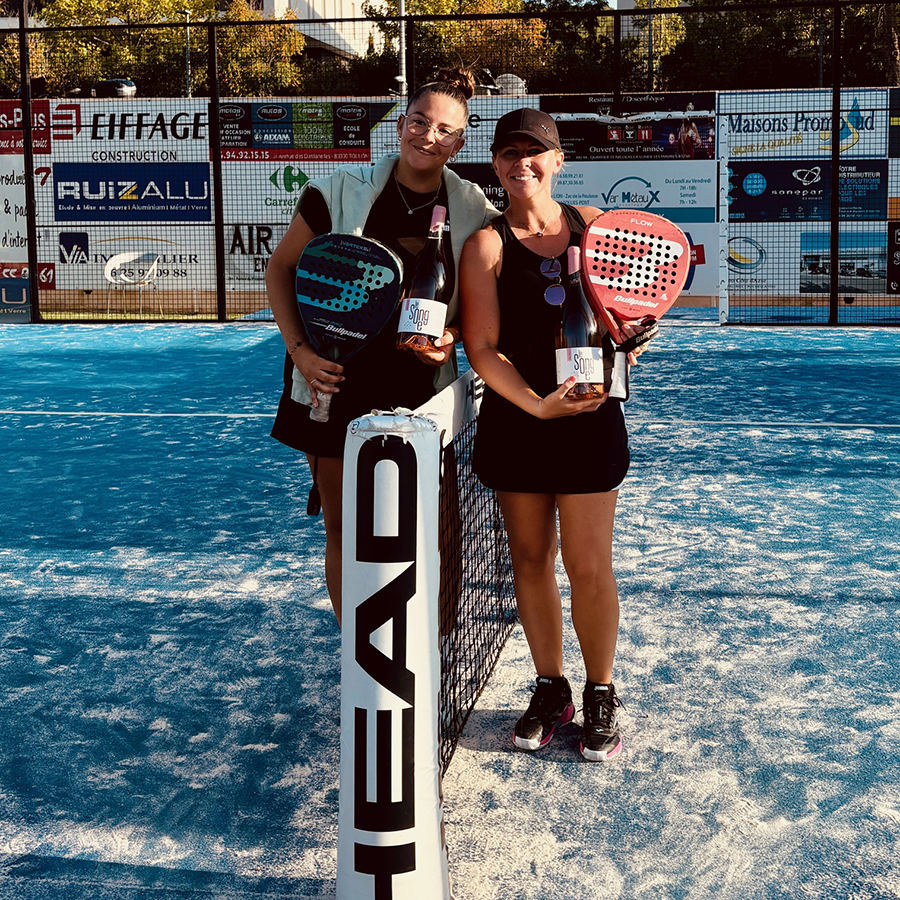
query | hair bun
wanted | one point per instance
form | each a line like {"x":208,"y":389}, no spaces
{"x":459,"y":78}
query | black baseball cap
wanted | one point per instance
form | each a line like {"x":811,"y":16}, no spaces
{"x":527,"y":122}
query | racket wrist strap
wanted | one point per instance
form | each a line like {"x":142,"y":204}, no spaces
{"x":314,"y":502}
{"x":651,"y":329}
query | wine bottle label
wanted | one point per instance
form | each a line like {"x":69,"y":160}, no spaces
{"x":585,"y":363}
{"x":420,"y":316}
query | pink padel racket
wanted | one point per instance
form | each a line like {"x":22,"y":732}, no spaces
{"x":634,"y":266}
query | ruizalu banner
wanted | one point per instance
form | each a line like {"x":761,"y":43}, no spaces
{"x":129,"y":192}
{"x":798,"y":191}
{"x":798,"y":124}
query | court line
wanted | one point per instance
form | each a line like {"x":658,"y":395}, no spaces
{"x":632,"y":420}
{"x":737,"y":423}
{"x":135,"y":415}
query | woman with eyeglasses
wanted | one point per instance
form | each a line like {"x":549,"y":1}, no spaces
{"x":545,"y":453}
{"x":391,"y":201}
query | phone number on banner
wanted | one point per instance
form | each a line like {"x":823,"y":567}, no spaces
{"x":336,"y":154}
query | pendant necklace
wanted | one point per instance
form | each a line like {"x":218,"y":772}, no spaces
{"x":412,"y":209}
{"x":541,"y":229}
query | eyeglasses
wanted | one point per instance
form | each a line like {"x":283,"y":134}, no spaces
{"x":555,"y":294}
{"x":417,"y":125}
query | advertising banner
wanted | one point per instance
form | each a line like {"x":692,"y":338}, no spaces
{"x":13,"y":232}
{"x":11,"y":140}
{"x":266,"y":191}
{"x":763,"y":260}
{"x":269,"y":151}
{"x":793,"y":191}
{"x":127,"y":192}
{"x":15,"y":300}
{"x":93,"y":258}
{"x":391,"y":816}
{"x":297,"y":131}
{"x":892,"y":267}
{"x":797,"y":124}
{"x":649,"y":126}
{"x":862,"y":261}
{"x":248,"y":248}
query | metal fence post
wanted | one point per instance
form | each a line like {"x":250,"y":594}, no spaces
{"x":215,"y":149}
{"x":28,"y":161}
{"x":834,"y":284}
{"x":412,"y":81}
{"x":617,"y":63}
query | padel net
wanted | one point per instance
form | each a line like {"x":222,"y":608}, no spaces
{"x":428,"y":603}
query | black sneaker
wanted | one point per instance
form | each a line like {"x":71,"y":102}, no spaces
{"x":601,"y":739}
{"x":550,"y":708}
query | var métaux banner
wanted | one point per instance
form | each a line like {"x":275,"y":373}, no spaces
{"x":658,"y":153}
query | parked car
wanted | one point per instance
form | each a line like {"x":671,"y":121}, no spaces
{"x":114,"y":87}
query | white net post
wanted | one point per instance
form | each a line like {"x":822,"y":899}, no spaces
{"x":391,"y":837}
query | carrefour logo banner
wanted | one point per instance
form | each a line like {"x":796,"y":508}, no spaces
{"x":763,"y":124}
{"x":92,"y":192}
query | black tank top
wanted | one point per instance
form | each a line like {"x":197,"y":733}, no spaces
{"x":527,"y":322}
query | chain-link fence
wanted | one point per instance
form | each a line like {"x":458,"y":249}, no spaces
{"x":123,"y":207}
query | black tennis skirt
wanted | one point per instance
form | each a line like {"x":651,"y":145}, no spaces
{"x":517,"y":452}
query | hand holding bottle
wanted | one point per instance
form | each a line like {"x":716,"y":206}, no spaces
{"x":579,"y":339}
{"x":423,"y":313}
{"x":560,"y":403}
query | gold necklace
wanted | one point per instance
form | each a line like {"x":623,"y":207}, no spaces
{"x":412,"y":209}
{"x":541,"y":229}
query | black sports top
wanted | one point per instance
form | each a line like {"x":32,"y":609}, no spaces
{"x":379,"y":376}
{"x":514,"y":450}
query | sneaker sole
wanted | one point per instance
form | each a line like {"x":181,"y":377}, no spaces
{"x":532,"y":744}
{"x":601,"y":755}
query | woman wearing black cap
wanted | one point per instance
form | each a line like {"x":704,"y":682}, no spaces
{"x":542,"y":451}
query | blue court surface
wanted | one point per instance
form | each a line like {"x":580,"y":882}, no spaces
{"x":169,"y":663}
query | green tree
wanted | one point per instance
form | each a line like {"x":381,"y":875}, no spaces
{"x":259,"y":60}
{"x":579,"y":53}
{"x":253,"y":60}
{"x":153,"y":58}
{"x":515,"y":46}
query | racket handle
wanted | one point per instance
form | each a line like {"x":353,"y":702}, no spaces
{"x":321,"y":412}
{"x":618,"y":387}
